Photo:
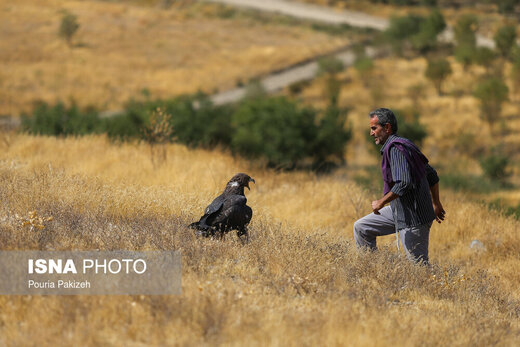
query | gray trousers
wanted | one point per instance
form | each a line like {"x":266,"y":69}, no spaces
{"x":413,"y":239}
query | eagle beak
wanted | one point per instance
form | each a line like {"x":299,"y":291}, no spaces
{"x":250,"y":180}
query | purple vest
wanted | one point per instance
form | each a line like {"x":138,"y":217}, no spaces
{"x":416,"y":160}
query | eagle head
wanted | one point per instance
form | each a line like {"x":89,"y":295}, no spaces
{"x":240,"y":180}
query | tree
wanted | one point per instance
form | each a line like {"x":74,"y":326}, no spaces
{"x":507,"y":6}
{"x":505,"y":38}
{"x":466,"y":39}
{"x":401,"y":29}
{"x":68,"y":27}
{"x":492,"y":93}
{"x":437,"y":71}
{"x":495,"y":165}
{"x":429,"y":29}
{"x":485,"y":57}
{"x":515,"y":70}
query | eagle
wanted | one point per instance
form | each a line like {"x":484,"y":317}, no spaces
{"x":228,"y":211}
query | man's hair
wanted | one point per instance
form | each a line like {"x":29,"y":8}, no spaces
{"x":384,"y":116}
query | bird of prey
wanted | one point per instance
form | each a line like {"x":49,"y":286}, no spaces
{"x":228,"y":211}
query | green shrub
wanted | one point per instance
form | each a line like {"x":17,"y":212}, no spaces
{"x":495,"y":166}
{"x":68,"y":26}
{"x":437,"y":71}
{"x":466,"y":39}
{"x":274,"y":129}
{"x":285,"y":135}
{"x":401,"y":29}
{"x":505,"y":39}
{"x":492,"y":93}
{"x":426,"y":39}
{"x":328,"y":148}
{"x":60,"y":120}
{"x":507,"y":6}
{"x":330,"y":65}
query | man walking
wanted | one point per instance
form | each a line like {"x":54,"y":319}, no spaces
{"x":411,"y":186}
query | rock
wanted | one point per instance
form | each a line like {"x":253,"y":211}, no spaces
{"x":476,"y":245}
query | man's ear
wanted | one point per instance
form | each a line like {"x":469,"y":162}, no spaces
{"x":388,"y":128}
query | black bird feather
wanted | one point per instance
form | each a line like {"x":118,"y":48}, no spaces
{"x":228,"y":211}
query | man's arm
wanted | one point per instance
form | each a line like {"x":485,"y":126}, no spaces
{"x":433,"y":181}
{"x":440,"y":213}
{"x":379,"y":204}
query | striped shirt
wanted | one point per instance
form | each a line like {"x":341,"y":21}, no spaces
{"x":414,"y":206}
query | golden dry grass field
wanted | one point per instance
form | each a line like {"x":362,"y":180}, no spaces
{"x":298,"y":282}
{"x":122,"y":48}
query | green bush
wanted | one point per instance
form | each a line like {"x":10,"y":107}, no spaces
{"x":492,"y":93}
{"x":495,"y":166}
{"x":401,"y":29}
{"x":274,"y":129}
{"x":505,"y":39}
{"x":328,"y":148}
{"x":285,"y":135}
{"x":437,"y":71}
{"x":507,"y":6}
{"x":68,"y":26}
{"x":60,"y":120}
{"x":426,"y":39}
{"x":466,"y":39}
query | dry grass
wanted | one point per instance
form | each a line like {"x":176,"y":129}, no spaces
{"x":122,"y":48}
{"x":298,"y":282}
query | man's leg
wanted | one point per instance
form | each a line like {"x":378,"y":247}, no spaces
{"x":372,"y":225}
{"x":415,"y":242}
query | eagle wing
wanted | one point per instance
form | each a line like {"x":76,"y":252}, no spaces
{"x":206,"y":221}
{"x":234,"y":214}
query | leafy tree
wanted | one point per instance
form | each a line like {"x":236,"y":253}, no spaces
{"x":465,"y":37}
{"x":437,"y":71}
{"x":401,"y":29}
{"x":285,"y":135}
{"x":507,"y":6}
{"x":61,"y":120}
{"x":68,"y":27}
{"x":485,"y":57}
{"x":492,"y":93}
{"x":505,"y":39}
{"x":515,"y":70}
{"x":495,"y":166}
{"x":274,"y":129}
{"x":429,"y":29}
{"x":329,"y":146}
{"x":330,"y":66}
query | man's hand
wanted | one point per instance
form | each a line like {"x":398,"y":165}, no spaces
{"x":376,"y":206}
{"x":439,"y":211}
{"x":379,"y":204}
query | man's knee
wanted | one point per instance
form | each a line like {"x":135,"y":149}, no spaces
{"x":358,"y":228}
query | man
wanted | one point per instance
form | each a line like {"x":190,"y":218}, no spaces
{"x":411,"y":186}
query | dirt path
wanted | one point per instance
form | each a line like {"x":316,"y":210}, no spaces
{"x":311,"y":12}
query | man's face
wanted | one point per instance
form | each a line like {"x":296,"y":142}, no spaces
{"x":379,"y":133}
